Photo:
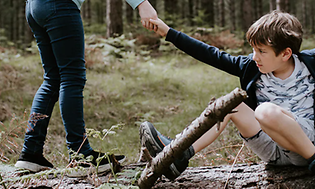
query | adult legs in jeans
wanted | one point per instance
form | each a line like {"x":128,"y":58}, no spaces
{"x":58,"y":30}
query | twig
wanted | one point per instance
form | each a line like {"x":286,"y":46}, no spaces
{"x":5,"y":187}
{"x":144,"y":155}
{"x":112,"y":167}
{"x":71,"y":162}
{"x":230,"y":146}
{"x":234,"y":164}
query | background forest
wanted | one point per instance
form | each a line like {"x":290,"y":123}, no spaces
{"x":133,"y":75}
{"x":120,"y":18}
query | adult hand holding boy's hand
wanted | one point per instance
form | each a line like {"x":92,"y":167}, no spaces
{"x":147,"y":12}
{"x":160,"y":27}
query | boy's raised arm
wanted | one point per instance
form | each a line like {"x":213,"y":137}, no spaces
{"x":201,"y":51}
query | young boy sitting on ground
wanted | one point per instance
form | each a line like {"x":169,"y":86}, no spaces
{"x":277,"y":119}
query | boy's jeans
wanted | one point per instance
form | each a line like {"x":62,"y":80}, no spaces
{"x":58,"y":29}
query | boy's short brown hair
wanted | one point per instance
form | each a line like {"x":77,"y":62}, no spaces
{"x":278,"y":30}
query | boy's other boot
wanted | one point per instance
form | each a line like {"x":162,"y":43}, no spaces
{"x":154,"y":141}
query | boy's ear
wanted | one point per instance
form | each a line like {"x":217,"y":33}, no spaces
{"x":286,"y":54}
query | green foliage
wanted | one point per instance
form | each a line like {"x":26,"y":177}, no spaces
{"x":102,"y":135}
{"x":132,"y":175}
{"x":9,"y":138}
{"x":100,"y":51}
{"x":200,"y":19}
{"x":95,"y":29}
{"x":3,"y":38}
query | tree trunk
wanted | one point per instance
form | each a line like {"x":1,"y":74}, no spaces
{"x":304,"y":11}
{"x":312,"y":18}
{"x":86,"y":12}
{"x":287,"y":6}
{"x":11,"y":21}
{"x":100,"y":11}
{"x":281,"y":5}
{"x":1,"y":14}
{"x":214,"y":113}
{"x":222,"y":13}
{"x":129,"y":14}
{"x":22,"y":21}
{"x":272,"y":5}
{"x":114,"y":18}
{"x":232,"y":15}
{"x":258,"y":9}
{"x":208,"y":6}
{"x":247,"y":14}
{"x":191,"y":12}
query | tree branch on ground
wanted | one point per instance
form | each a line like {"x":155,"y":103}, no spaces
{"x":214,"y":113}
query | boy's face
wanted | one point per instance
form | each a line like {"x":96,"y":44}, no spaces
{"x":266,"y":59}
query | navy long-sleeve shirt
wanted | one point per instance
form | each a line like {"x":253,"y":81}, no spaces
{"x":244,"y":67}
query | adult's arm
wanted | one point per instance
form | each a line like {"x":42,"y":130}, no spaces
{"x":146,"y":11}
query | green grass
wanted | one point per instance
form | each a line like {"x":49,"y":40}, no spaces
{"x":170,"y":90}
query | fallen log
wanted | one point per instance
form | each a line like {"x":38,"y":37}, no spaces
{"x":242,"y":176}
{"x":214,"y":113}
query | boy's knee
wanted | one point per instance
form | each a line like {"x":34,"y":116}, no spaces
{"x":267,"y":113}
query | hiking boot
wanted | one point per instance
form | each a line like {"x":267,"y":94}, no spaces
{"x":154,"y":141}
{"x":33,"y":162}
{"x":94,"y":162}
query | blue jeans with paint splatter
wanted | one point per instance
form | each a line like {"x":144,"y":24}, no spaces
{"x":58,"y":30}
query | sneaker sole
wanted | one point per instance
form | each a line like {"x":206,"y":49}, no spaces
{"x":31,"y":166}
{"x":84,"y":171}
{"x":147,"y":132}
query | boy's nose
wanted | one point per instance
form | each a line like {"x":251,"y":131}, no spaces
{"x":255,"y":58}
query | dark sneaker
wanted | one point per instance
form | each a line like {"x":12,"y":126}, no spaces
{"x":94,"y":162}
{"x":33,"y":162}
{"x":154,"y":141}
{"x":311,"y":166}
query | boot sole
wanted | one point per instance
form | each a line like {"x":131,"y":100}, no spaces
{"x":34,"y":167}
{"x":147,"y":138}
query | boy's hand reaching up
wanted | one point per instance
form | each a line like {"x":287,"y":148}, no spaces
{"x":160,"y":27}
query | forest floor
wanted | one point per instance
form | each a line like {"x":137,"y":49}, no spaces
{"x":55,"y":179}
{"x":249,"y":176}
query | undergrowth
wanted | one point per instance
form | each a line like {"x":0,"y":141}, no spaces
{"x":26,"y":178}
{"x":9,"y":136}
